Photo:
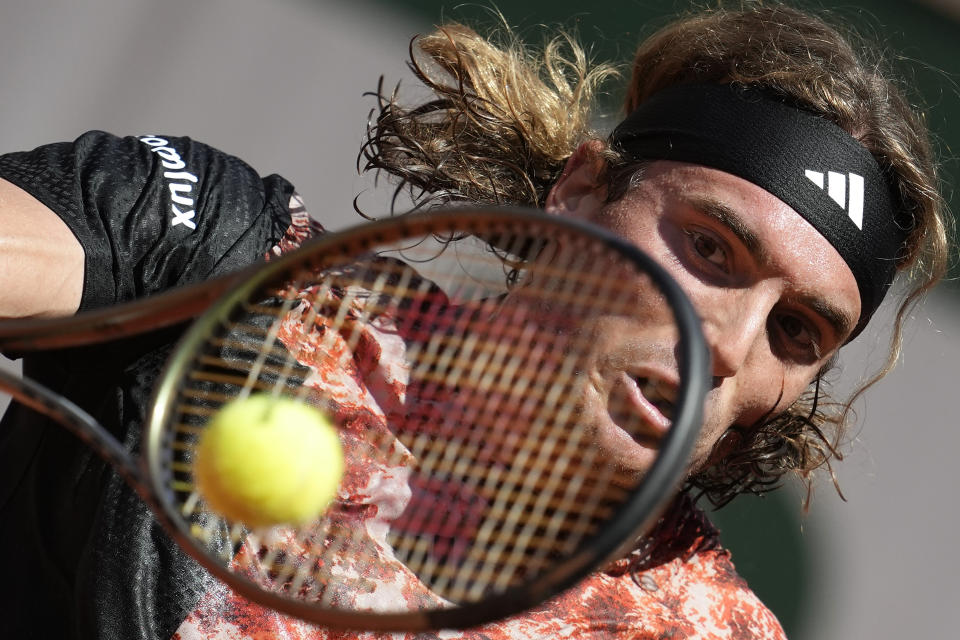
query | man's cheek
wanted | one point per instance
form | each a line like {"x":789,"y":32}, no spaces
{"x":715,"y":425}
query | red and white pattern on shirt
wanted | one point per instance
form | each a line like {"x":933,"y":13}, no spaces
{"x":691,"y":591}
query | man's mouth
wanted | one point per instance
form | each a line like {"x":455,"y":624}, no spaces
{"x":636,"y":410}
{"x":643,"y":404}
{"x":659,"y":393}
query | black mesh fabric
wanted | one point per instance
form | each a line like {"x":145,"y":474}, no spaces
{"x":84,"y":557}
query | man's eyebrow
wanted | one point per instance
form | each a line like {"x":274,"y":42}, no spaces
{"x":839,"y":320}
{"x":729,"y":218}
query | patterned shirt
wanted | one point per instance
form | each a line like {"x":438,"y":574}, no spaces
{"x":157,"y":212}
{"x":679,"y":584}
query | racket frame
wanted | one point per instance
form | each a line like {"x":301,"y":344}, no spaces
{"x":658,"y":485}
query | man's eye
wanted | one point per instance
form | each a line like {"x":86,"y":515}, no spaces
{"x":798,"y":332}
{"x":709,"y":249}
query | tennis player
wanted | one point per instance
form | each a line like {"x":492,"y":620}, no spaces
{"x":781,"y":179}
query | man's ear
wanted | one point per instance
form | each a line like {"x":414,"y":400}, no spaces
{"x":581,"y":189}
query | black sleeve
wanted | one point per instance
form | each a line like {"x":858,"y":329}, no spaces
{"x":85,"y":555}
{"x":152,"y":212}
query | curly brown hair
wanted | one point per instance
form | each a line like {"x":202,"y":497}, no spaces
{"x":504,"y":120}
{"x":502,"y":123}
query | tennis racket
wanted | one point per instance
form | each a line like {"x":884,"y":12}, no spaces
{"x":516,"y":395}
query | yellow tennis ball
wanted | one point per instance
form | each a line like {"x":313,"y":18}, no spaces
{"x":266,"y":461}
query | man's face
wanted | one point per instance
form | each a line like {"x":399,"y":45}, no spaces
{"x":775,"y":298}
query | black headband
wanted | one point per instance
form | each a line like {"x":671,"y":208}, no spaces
{"x":806,"y":161}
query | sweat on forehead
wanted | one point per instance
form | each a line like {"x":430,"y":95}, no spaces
{"x":806,"y":161}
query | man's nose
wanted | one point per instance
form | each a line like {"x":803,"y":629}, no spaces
{"x":732,"y":331}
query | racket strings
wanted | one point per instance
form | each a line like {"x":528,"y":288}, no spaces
{"x":503,"y":481}
{"x":555,"y":281}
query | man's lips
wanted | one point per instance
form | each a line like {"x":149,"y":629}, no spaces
{"x":631,"y":409}
{"x":649,"y":397}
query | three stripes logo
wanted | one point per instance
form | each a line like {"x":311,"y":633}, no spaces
{"x":845,"y":190}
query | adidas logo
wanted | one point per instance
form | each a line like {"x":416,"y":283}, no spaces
{"x":839,"y":191}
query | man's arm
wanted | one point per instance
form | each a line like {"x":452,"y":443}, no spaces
{"x":41,"y":261}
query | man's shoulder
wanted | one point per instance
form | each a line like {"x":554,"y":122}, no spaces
{"x":684,"y":582}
